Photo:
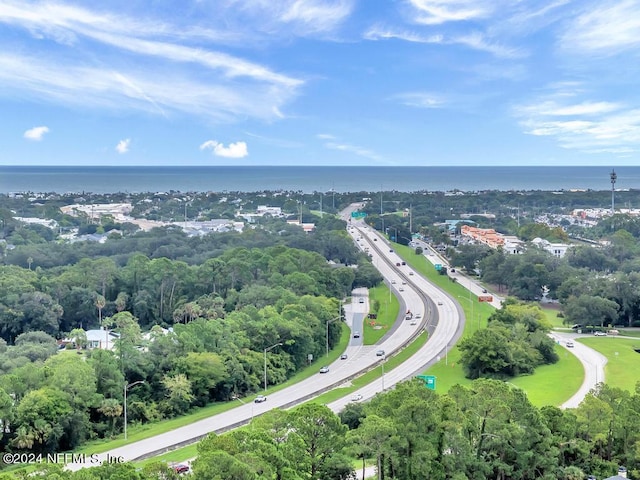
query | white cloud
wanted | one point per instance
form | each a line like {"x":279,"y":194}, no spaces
{"x":325,"y":136}
{"x":608,"y":28}
{"x":303,"y":17}
{"x":421,"y":99}
{"x":157,"y":75}
{"x":234,"y":150}
{"x":140,"y":89}
{"x":474,"y":40}
{"x":123,"y":146}
{"x":360,"y":151}
{"x":589,"y":126}
{"x":36,"y":133}
{"x":434,"y":12}
{"x":317,"y":15}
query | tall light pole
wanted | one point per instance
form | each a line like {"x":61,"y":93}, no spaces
{"x":613,"y":177}
{"x":470,"y":300}
{"x":127,"y":386}
{"x":328,"y":322}
{"x":265,"y":362}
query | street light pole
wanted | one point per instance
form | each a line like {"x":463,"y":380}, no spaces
{"x":265,"y":362}
{"x":470,"y":300}
{"x":127,"y":387}
{"x":328,"y":322}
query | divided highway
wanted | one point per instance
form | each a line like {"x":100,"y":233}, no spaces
{"x":440,"y":316}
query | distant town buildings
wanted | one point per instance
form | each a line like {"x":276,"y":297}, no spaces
{"x":509,"y":243}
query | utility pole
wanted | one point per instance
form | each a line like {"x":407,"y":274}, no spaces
{"x":613,"y":177}
{"x":410,"y":219}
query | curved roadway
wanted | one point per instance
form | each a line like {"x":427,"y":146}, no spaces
{"x":360,"y":358}
{"x":441,"y":317}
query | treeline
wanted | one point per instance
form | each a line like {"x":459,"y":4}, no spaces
{"x":223,"y":314}
{"x":514,"y":343}
{"x":485,"y":431}
{"x":53,"y":402}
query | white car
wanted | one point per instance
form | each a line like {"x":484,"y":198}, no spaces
{"x":356,"y":398}
{"x":600,"y":334}
{"x":569,"y":344}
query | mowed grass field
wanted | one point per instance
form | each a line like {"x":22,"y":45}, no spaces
{"x":549,"y":385}
{"x":623,"y":367}
{"x":374,"y":330}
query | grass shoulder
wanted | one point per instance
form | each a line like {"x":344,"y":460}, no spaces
{"x":140,"y":432}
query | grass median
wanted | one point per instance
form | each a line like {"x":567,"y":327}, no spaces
{"x":386,"y":306}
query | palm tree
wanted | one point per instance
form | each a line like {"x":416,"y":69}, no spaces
{"x":111,"y":407}
{"x":100,"y":303}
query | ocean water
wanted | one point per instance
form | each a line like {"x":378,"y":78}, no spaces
{"x":112,"y":179}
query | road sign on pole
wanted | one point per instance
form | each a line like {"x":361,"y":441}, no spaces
{"x":438,"y":266}
{"x":429,"y":381}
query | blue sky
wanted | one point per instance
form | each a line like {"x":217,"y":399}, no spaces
{"x":320,"y":82}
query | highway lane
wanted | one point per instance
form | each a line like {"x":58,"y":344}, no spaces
{"x":359,"y":358}
{"x":443,"y":335}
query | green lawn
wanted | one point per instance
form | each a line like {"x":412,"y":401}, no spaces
{"x":549,"y":385}
{"x":387,"y":314}
{"x":140,"y":432}
{"x":622,"y":369}
{"x":553,"y":384}
{"x":552,"y":317}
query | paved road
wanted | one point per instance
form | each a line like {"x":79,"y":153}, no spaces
{"x":443,"y":308}
{"x":359,"y":357}
{"x":593,"y":363}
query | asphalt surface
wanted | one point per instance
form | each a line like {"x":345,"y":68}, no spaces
{"x":360,"y":357}
{"x":441,"y":315}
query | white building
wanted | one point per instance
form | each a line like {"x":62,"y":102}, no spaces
{"x":557,"y":249}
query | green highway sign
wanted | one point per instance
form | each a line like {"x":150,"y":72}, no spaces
{"x":429,"y":381}
{"x":358,"y":214}
{"x":438,"y":266}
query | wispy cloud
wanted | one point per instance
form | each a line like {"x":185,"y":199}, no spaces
{"x":158,"y":75}
{"x":123,"y":146}
{"x":317,"y":15}
{"x":36,"y":133}
{"x":474,"y":40}
{"x":589,"y":126}
{"x":435,"y":12}
{"x":420,"y":99}
{"x":303,"y":18}
{"x":333,"y":142}
{"x":234,"y":150}
{"x":607,"y":28}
